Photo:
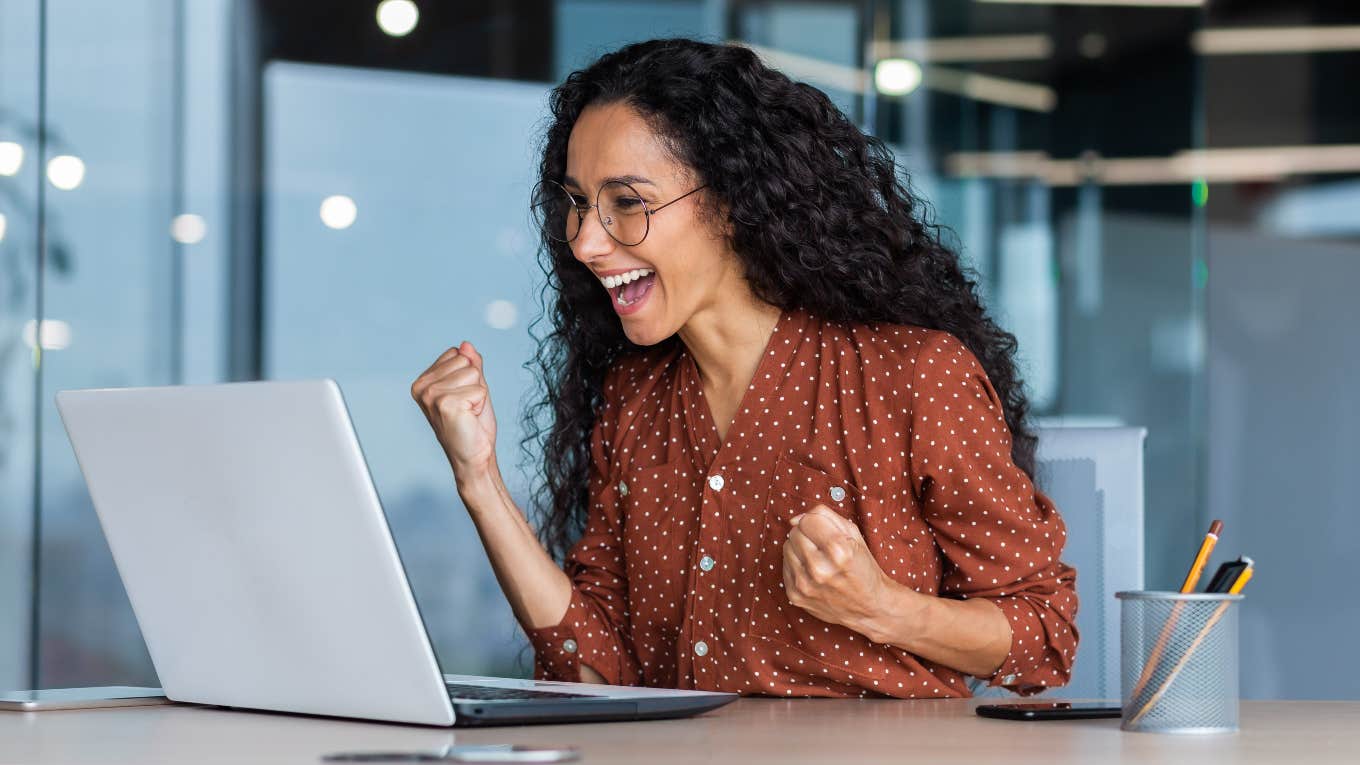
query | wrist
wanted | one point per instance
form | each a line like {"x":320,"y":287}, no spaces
{"x":478,"y":485}
{"x":899,"y":616}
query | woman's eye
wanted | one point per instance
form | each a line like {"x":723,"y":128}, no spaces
{"x":579,"y":200}
{"x":627,"y":203}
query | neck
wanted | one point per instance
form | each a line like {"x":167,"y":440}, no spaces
{"x":727,"y":338}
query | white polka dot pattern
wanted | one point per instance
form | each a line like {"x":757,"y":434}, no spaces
{"x":895,"y":428}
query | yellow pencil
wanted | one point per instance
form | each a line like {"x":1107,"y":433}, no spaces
{"x":1205,"y":548}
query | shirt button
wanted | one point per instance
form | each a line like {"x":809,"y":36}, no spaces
{"x":1008,"y":680}
{"x":623,"y":488}
{"x":837,"y":493}
{"x":707,"y":563}
{"x":715,"y":482}
{"x":701,"y":648}
{"x":569,"y":645}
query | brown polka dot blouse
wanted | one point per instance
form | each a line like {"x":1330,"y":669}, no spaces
{"x":678,"y":576}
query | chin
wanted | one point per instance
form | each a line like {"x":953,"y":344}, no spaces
{"x":648,"y":327}
{"x":642,"y":333}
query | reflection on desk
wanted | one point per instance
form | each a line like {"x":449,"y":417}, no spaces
{"x":751,"y":731}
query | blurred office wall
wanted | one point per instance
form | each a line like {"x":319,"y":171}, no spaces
{"x":270,"y":189}
{"x":1284,"y":423}
{"x":1282,"y":241}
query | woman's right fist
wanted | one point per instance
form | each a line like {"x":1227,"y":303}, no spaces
{"x":455,"y":399}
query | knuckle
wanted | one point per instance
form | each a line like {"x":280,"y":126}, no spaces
{"x":446,"y":404}
{"x":839,"y":554}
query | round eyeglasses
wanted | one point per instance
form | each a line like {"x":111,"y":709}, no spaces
{"x":622,"y":211}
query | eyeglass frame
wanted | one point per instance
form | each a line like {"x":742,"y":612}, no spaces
{"x":581,"y":212}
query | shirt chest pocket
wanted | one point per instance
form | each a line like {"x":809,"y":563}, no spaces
{"x":797,"y":488}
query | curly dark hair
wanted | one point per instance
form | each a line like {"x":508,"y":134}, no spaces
{"x":815,"y":209}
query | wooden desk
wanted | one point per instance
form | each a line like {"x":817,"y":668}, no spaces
{"x":749,"y":732}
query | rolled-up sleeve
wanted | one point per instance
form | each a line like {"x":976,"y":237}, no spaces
{"x":1002,"y":538}
{"x":594,"y":631}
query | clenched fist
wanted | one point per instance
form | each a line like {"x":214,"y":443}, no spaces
{"x":457,"y":402}
{"x":830,"y":573}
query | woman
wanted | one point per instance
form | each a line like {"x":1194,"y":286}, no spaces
{"x":787,"y":452}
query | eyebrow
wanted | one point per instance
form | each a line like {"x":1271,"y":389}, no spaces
{"x":629,"y":179}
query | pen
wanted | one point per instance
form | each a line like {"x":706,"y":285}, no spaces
{"x":1205,"y":547}
{"x":1227,"y":575}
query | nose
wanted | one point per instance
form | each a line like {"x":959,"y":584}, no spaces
{"x":592,"y":241}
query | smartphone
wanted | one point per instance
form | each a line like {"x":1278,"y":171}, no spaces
{"x":80,"y":698}
{"x":1050,"y":710}
{"x":467,"y":753}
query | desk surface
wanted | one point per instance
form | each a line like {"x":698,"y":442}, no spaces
{"x":750,"y":732}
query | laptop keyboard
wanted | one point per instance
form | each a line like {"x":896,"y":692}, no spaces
{"x":492,"y":693}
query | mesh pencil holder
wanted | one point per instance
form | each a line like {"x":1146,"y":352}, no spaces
{"x":1178,"y":662}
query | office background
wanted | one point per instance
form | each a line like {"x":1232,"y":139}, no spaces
{"x":1161,"y":198}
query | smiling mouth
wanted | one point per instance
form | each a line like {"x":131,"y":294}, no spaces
{"x":628,"y":288}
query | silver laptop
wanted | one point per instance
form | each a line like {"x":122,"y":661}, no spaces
{"x":262,"y":571}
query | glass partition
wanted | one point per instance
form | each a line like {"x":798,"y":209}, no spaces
{"x":21,"y":192}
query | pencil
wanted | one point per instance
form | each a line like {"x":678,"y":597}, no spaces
{"x":1205,"y":548}
{"x":1244,"y":577}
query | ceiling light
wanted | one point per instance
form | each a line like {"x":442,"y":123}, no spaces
{"x":1220,"y":42}
{"x":1092,"y":45}
{"x":338,"y":211}
{"x":1133,"y":3}
{"x":11,"y":157}
{"x":397,"y":17}
{"x":55,"y":334}
{"x":897,"y":76}
{"x":188,"y":228}
{"x":1235,"y":165}
{"x":972,"y":48}
{"x":960,"y":82}
{"x":65,"y":172}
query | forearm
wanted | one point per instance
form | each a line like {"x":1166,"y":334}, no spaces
{"x":971,"y":636}
{"x":538,"y":591}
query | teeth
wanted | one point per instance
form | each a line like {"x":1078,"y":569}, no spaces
{"x":610,"y":282}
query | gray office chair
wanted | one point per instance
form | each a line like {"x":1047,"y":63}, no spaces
{"x":1095,"y":476}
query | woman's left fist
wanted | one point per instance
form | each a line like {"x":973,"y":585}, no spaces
{"x":830,"y":573}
